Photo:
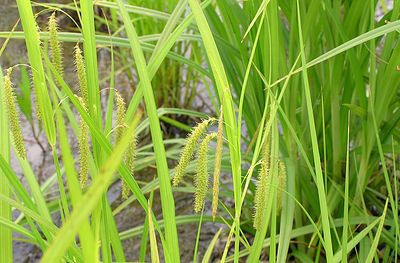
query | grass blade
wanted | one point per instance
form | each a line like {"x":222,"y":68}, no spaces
{"x":6,"y":254}
{"x":207,"y":255}
{"x":377,"y":235}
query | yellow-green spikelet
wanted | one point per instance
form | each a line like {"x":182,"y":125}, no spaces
{"x":37,"y":98}
{"x":263,"y":184}
{"x":13,"y":115}
{"x":282,"y":177}
{"x":130,"y":156}
{"x":56,"y":50}
{"x":81,"y":70}
{"x":120,"y":120}
{"x":217,"y":166}
{"x":130,"y":153}
{"x":188,"y":150}
{"x":84,"y":150}
{"x":201,"y":178}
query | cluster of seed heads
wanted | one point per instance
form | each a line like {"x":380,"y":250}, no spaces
{"x":202,"y":177}
{"x":130,"y":154}
{"x":188,"y":151}
{"x":263,"y":189}
{"x":10,"y":102}
{"x":57,"y":60}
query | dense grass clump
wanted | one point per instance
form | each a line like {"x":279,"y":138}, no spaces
{"x":278,"y":120}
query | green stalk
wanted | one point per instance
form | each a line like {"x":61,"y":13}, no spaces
{"x":6,"y":254}
{"x":346,"y":198}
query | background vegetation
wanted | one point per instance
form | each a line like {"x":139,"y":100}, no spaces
{"x":294,"y":157}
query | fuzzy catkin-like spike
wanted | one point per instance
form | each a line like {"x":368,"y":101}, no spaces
{"x":84,"y":150}
{"x":187,"y":152}
{"x":120,"y":120}
{"x":55,"y":45}
{"x":130,"y":156}
{"x":37,"y":102}
{"x":217,"y":166}
{"x":263,"y":184}
{"x":201,"y":178}
{"x":282,"y":177}
{"x":13,"y":115}
{"x":37,"y":107}
{"x":266,"y":153}
{"x":81,"y":70}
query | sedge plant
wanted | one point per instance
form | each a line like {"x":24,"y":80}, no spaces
{"x":296,"y":161}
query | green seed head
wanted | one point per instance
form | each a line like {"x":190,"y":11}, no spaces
{"x":37,"y":107}
{"x":282,"y":177}
{"x":55,"y":45}
{"x":217,"y":166}
{"x":201,"y":178}
{"x":130,"y":156}
{"x":13,"y":115}
{"x":266,"y":153}
{"x":120,"y":121}
{"x":84,"y":150}
{"x":263,"y":184}
{"x":187,"y":152}
{"x":81,"y":70}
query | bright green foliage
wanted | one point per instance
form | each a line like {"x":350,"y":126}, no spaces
{"x":285,"y":77}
